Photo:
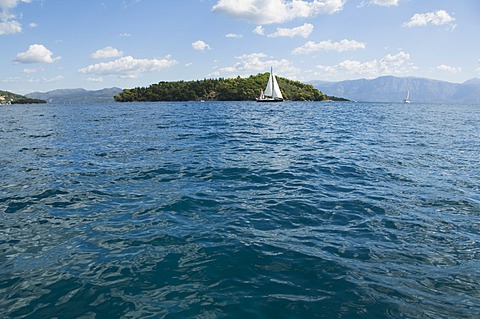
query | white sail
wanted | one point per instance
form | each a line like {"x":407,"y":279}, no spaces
{"x":276,"y":89}
{"x":269,"y":89}
{"x":272,"y":92}
{"x":407,"y":99}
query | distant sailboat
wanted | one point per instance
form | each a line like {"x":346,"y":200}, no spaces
{"x":407,"y":99}
{"x":272,"y":92}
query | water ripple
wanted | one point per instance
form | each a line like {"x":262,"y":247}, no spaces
{"x":182,"y":210}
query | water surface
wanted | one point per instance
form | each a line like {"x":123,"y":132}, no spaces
{"x":240,"y":210}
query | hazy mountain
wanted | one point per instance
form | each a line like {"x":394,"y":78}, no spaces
{"x":67,"y":96}
{"x":394,"y":89}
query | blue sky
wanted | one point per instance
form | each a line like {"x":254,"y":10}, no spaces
{"x":52,"y":44}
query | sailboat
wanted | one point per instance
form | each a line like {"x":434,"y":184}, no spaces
{"x":407,"y":99}
{"x":272,"y":92}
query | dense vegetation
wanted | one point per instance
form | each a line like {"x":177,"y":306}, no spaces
{"x":235,"y":89}
{"x":12,"y":98}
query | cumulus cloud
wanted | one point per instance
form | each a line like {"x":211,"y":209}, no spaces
{"x":302,"y":31}
{"x":258,"y":63}
{"x":6,"y":6}
{"x":8,"y":22}
{"x":390,"y":64}
{"x":129,"y":67}
{"x":200,"y":46}
{"x":259,"y":30}
{"x":36,"y":53}
{"x":10,"y":27}
{"x":341,"y":46}
{"x":276,"y":11}
{"x":107,"y":52}
{"x":440,"y":17}
{"x":448,"y":68}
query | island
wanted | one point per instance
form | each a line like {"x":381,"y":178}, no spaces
{"x":12,"y":98}
{"x":231,"y":89}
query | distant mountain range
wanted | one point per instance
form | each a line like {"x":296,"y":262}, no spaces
{"x":67,"y":96}
{"x":381,"y":89}
{"x":394,"y":89}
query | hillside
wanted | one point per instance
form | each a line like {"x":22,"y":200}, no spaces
{"x":394,"y":89}
{"x":235,"y":89}
{"x":12,"y":98}
{"x":67,"y":96}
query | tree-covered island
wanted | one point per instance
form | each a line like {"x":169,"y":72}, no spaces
{"x":233,"y":89}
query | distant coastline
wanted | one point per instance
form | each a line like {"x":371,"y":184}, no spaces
{"x":381,"y":89}
{"x":7,"y":98}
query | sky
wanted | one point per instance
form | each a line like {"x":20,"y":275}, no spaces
{"x":58,"y":44}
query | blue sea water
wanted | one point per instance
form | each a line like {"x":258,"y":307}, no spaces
{"x":240,"y":210}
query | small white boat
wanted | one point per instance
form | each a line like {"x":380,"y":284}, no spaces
{"x":272,"y":92}
{"x":407,"y":99}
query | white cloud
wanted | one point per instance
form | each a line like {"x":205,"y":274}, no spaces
{"x":233,"y":35}
{"x":129,"y":67}
{"x":125,"y":34}
{"x":6,"y":6}
{"x":95,"y":79}
{"x":31,"y":70}
{"x":301,"y":31}
{"x":258,"y":63}
{"x":449,"y":69}
{"x":8,"y":23}
{"x":200,"y":46}
{"x":259,"y":30}
{"x":57,"y":78}
{"x":385,"y":3}
{"x":11,"y":79}
{"x":276,"y":11}
{"x":440,"y":17}
{"x":10,"y":27}
{"x":107,"y":52}
{"x":390,"y":64}
{"x":36,"y":53}
{"x":341,"y":46}
{"x":31,"y":79}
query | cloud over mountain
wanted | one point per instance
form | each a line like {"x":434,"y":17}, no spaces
{"x":389,"y":64}
{"x":340,"y":46}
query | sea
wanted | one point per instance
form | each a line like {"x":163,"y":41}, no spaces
{"x":240,"y":210}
